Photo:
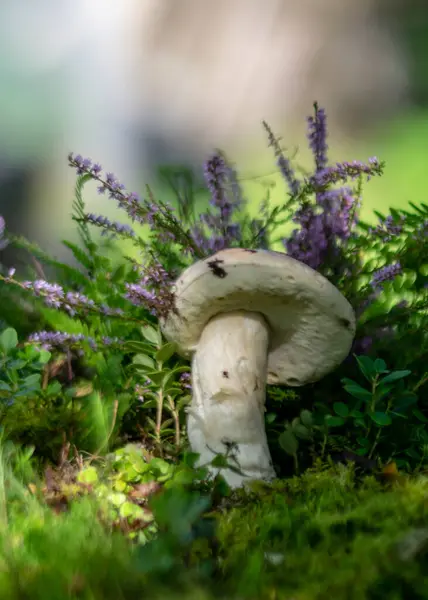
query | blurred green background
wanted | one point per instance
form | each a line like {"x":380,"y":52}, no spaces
{"x":136,"y":86}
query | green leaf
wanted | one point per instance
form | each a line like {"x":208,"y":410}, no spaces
{"x":417,"y":413}
{"x":361,"y":451}
{"x":413,"y":454}
{"x":144,"y":360}
{"x":405,"y":400}
{"x":32,"y":380}
{"x":270,"y":418}
{"x":79,"y":254}
{"x":332,"y":421}
{"x":54,"y":388}
{"x":157,"y":377}
{"x":301,"y":431}
{"x":151,"y":334}
{"x":16,"y":365}
{"x":172,"y":374}
{"x":5,"y":387}
{"x":135,"y":346}
{"x":306,"y":418}
{"x":88,"y":475}
{"x":394,"y":376}
{"x":366,"y":367}
{"x":165,"y":353}
{"x":150,"y":403}
{"x":288,"y":442}
{"x":396,"y":414}
{"x":220,"y":462}
{"x":381,"y":418}
{"x":380,"y":366}
{"x":8,"y":339}
{"x":44,"y":356}
{"x":409,"y":279}
{"x":358,"y":392}
{"x":119,"y":274}
{"x":341,"y":409}
{"x":363,"y":441}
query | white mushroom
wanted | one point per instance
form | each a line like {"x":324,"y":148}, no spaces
{"x":251,"y":317}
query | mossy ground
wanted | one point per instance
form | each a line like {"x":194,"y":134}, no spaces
{"x":328,"y":533}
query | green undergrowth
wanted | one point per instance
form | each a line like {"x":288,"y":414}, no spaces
{"x":329,"y":533}
{"x":100,"y":497}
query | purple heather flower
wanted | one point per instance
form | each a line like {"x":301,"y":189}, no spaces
{"x":153,"y":291}
{"x":72,"y":302}
{"x":323,"y":228}
{"x":317,"y":135}
{"x":385,"y":274}
{"x":186,"y":381}
{"x":130,"y":202}
{"x":59,"y":339}
{"x":283,"y":162}
{"x":142,"y":389}
{"x":346,"y":170}
{"x":63,"y":340}
{"x":387,"y":228}
{"x":226,"y":198}
{"x":109,"y":226}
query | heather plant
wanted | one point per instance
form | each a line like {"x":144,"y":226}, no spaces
{"x":107,"y":313}
{"x":91,"y":391}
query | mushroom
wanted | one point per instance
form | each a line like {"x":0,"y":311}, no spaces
{"x":250,"y":318}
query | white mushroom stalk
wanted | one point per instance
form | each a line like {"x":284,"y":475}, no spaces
{"x":250,"y":318}
{"x":228,"y":402}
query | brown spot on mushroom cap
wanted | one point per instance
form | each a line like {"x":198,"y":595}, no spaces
{"x":218,"y":271}
{"x":311,"y":324}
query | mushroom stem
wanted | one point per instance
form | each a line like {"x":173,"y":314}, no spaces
{"x":229,"y":370}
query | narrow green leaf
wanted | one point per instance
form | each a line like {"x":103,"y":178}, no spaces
{"x":366,"y":367}
{"x":358,"y":392}
{"x":419,"y":415}
{"x":394,"y":376}
{"x":135,"y":346}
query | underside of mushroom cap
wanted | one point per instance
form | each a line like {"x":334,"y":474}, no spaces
{"x":311,"y":324}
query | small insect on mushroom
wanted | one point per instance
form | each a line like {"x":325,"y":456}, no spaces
{"x":246,"y":328}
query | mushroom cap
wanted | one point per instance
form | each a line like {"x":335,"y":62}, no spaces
{"x":311,"y":324}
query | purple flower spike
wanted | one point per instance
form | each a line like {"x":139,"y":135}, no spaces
{"x":317,"y":135}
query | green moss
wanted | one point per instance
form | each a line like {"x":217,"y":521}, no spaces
{"x":331,"y":537}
